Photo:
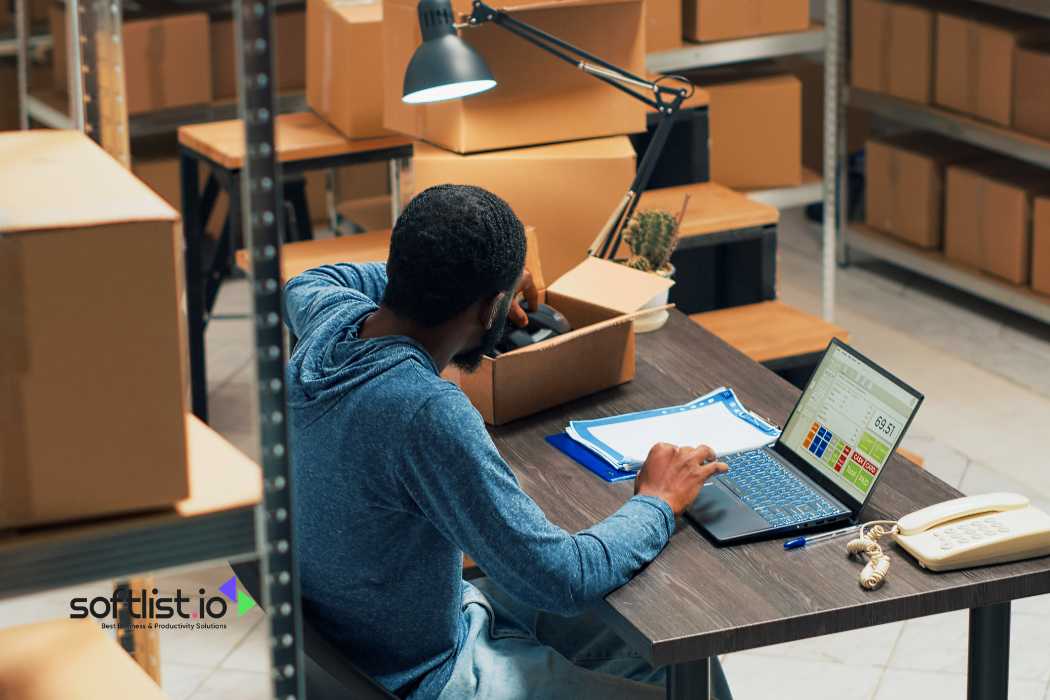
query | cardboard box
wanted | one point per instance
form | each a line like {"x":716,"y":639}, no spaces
{"x":1031,"y":88}
{"x":892,"y":49}
{"x":975,"y":60}
{"x":290,"y":68}
{"x":1041,"y":245}
{"x":566,"y":191}
{"x":69,"y":659}
{"x":597,"y":297}
{"x":79,"y":429}
{"x":343,"y":83}
{"x":566,"y":104}
{"x":988,"y":216}
{"x":905,"y":184}
{"x":858,"y":122}
{"x":715,"y":20}
{"x":663,"y":25}
{"x":756,"y":128}
{"x":165,"y":60}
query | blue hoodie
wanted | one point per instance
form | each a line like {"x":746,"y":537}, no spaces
{"x":395,"y":476}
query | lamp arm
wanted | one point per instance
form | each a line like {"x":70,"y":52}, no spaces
{"x":602,"y":70}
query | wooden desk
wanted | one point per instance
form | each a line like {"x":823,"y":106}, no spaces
{"x":727,"y":253}
{"x":304,"y":142}
{"x":695,"y":600}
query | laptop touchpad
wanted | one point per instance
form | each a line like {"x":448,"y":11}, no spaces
{"x":723,"y":514}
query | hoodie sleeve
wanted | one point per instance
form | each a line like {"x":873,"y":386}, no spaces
{"x":454,"y":474}
{"x":312,"y":296}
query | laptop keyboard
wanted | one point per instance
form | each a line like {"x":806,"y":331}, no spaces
{"x":774,"y":492}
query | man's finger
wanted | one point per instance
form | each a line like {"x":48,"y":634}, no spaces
{"x":701,"y":454}
{"x":706,"y":471}
{"x":529,"y":290}
{"x":517,"y":315}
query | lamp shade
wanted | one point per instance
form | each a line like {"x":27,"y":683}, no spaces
{"x":444,"y":67}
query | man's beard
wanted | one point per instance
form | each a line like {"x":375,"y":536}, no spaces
{"x":470,"y":360}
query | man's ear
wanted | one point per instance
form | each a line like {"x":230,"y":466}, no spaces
{"x":489,"y":309}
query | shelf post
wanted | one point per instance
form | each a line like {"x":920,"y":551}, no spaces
{"x":835,"y":161}
{"x":262,"y":220}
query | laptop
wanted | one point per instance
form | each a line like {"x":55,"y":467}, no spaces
{"x":824,"y":466}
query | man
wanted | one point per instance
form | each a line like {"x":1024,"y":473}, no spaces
{"x":395,"y":477}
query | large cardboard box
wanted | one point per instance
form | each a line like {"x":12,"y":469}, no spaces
{"x":290,"y":68}
{"x":344,"y":38}
{"x":1041,"y":245}
{"x":663,"y":25}
{"x":566,"y":191}
{"x":892,"y":49}
{"x":166,"y":60}
{"x":93,"y":385}
{"x":597,"y":297}
{"x":714,"y":20}
{"x":69,"y":659}
{"x":540,"y":99}
{"x":905,"y":184}
{"x":975,"y":60}
{"x":1032,"y":90}
{"x":756,"y":128}
{"x":988,"y":219}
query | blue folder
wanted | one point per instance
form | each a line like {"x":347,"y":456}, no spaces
{"x":588,"y":459}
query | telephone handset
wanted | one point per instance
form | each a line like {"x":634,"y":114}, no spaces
{"x":974,"y":531}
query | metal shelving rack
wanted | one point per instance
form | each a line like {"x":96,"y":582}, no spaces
{"x":857,"y":237}
{"x":735,"y":51}
{"x":65,"y":556}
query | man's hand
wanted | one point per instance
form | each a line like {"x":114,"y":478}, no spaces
{"x":676,"y":474}
{"x":527,"y":288}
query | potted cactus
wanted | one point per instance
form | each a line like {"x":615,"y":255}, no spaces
{"x":651,"y":237}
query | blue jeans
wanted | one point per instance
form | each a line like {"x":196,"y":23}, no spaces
{"x":513,"y":652}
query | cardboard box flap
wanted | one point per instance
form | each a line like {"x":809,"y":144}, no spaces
{"x":65,"y":180}
{"x":614,"y":147}
{"x":610,"y":284}
{"x":356,"y":11}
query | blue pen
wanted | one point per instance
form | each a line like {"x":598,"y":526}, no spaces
{"x":803,"y":541}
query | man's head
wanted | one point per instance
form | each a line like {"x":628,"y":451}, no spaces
{"x":456,"y":255}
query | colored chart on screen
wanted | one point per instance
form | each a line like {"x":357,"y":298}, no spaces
{"x":849,"y":420}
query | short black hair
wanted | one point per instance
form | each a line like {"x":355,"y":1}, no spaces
{"x":452,"y":246}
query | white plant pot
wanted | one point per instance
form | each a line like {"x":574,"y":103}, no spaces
{"x":657,"y":319}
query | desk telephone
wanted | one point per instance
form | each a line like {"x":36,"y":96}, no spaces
{"x":972,"y":531}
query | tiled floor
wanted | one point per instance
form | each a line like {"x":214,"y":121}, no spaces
{"x":986,"y":376}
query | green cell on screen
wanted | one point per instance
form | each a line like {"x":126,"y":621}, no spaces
{"x":880,"y":452}
{"x":867,"y":443}
{"x":863,"y":479}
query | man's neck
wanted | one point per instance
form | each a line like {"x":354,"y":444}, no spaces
{"x":384,"y":322}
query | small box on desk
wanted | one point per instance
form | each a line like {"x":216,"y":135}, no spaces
{"x":988,"y":215}
{"x":905,"y":184}
{"x":975,"y":59}
{"x":539,"y":99}
{"x":596,"y":297}
{"x":892,"y":49}
{"x":166,"y":60}
{"x":343,"y":83}
{"x":93,"y":384}
{"x":567,"y":191}
{"x":716,"y":20}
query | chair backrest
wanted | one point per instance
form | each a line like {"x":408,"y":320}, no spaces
{"x":330,"y":674}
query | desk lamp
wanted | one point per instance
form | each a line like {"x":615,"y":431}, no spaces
{"x":445,"y":67}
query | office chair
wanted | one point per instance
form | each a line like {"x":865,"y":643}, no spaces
{"x":330,"y":674}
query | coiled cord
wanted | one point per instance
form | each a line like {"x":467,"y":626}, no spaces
{"x":866,"y":546}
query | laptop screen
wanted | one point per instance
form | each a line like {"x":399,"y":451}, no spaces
{"x":849,"y":420}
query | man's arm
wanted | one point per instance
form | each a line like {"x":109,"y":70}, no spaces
{"x":312,"y":295}
{"x":466,"y":489}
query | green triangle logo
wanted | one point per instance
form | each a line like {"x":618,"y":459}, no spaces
{"x":244,"y":603}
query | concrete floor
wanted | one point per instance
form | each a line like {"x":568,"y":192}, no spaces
{"x":986,"y":376}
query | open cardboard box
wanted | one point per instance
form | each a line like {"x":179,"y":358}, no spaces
{"x":600,"y":299}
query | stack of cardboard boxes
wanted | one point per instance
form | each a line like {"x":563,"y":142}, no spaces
{"x":983,"y":210}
